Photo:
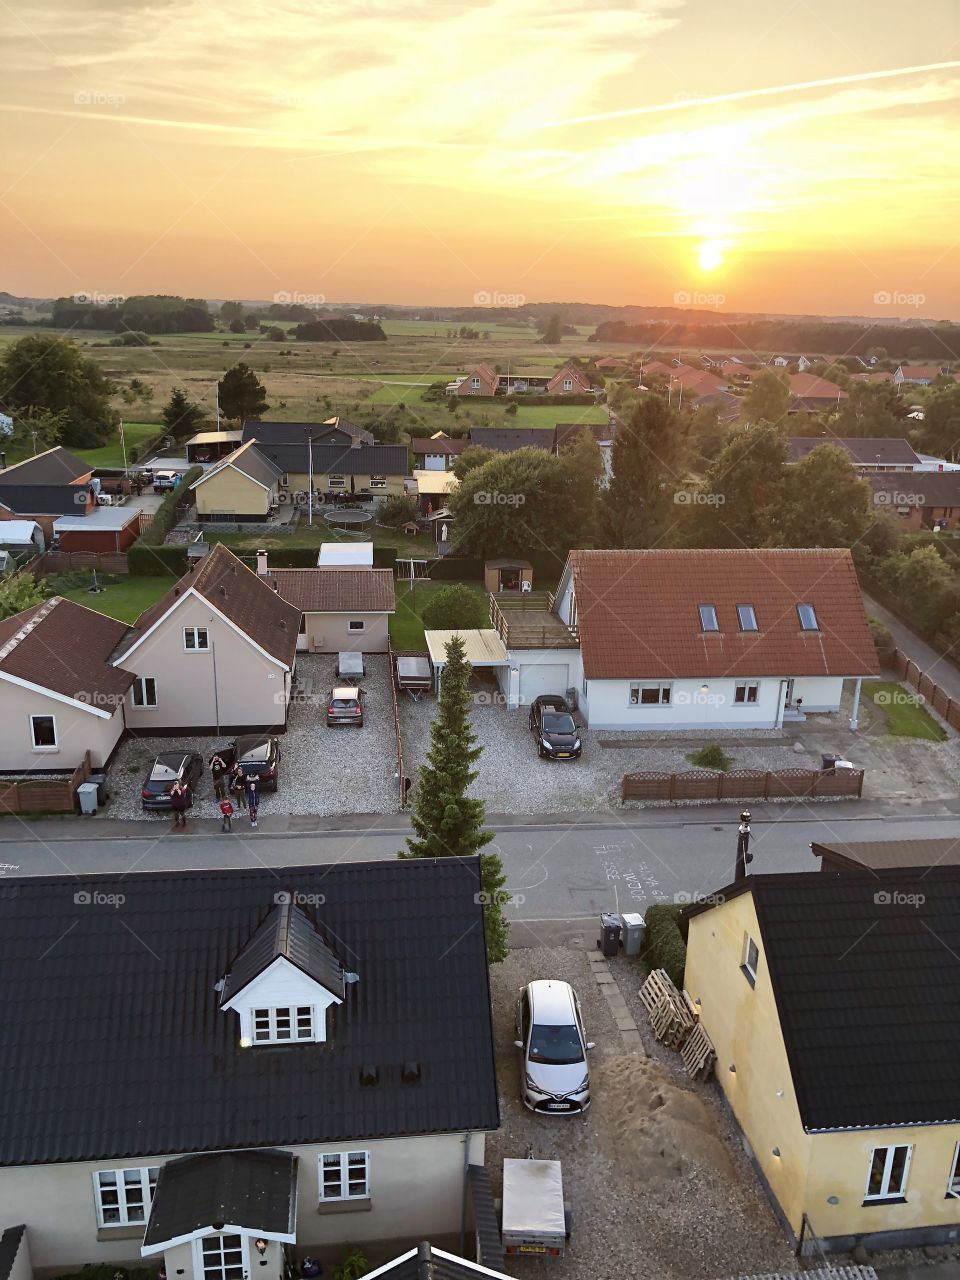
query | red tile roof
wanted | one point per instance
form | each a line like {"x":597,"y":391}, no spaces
{"x":637,"y":614}
{"x":807,"y":386}
{"x":335,"y":590}
{"x":422,"y":446}
{"x":930,"y":371}
{"x":66,"y":648}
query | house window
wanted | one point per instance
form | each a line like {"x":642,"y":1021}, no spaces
{"x":747,"y":617}
{"x":280,"y":1026}
{"x":303,"y":624}
{"x":568,"y":384}
{"x":196,"y":639}
{"x":953,"y":1186}
{"x":649,"y":695}
{"x":354,"y":625}
{"x":475,"y":383}
{"x":378,"y":482}
{"x":746,"y":692}
{"x":751,"y":959}
{"x":336,"y":482}
{"x":708,"y":617}
{"x":345,"y":1175}
{"x":44,"y":732}
{"x":887,"y":1179}
{"x":222,"y":1257}
{"x":123,"y":1196}
{"x":808,"y":617}
{"x":145,"y":691}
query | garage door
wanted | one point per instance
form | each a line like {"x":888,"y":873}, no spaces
{"x":537,"y":678}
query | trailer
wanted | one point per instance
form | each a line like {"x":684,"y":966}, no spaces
{"x":414,"y":674}
{"x":534,"y":1216}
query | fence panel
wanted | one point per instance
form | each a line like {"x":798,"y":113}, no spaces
{"x":741,"y":784}
{"x":697,"y":784}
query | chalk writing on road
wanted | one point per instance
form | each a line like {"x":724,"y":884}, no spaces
{"x":639,"y":882}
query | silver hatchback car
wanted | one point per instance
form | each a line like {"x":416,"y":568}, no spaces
{"x":554,"y":1078}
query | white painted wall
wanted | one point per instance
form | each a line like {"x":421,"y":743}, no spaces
{"x":77,"y":729}
{"x":820,"y":693}
{"x":568,"y":660}
{"x":281,"y":986}
{"x":607,"y":705}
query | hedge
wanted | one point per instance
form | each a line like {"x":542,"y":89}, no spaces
{"x":157,"y":562}
{"x":457,"y":569}
{"x":666,"y":946}
{"x":168,"y":512}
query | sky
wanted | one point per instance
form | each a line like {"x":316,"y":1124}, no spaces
{"x":796,"y":156}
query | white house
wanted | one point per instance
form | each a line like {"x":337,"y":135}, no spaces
{"x":666,"y":640}
{"x":262,"y":1064}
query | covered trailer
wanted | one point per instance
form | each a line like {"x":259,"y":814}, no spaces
{"x":534,"y":1215}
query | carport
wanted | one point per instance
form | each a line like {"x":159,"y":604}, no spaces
{"x":481,"y":648}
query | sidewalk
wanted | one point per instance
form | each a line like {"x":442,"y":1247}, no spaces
{"x":938,"y":668}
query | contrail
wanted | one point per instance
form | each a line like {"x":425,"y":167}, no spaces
{"x":741,"y":94}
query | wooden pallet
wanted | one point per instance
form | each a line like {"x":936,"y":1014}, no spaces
{"x":672,"y":1016}
{"x":698,"y":1053}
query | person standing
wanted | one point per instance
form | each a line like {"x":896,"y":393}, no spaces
{"x":251,"y":787}
{"x":218,"y":768}
{"x":236,"y":780}
{"x":179,"y":799}
{"x":226,"y":810}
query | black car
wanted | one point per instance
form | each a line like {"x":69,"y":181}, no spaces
{"x":558,"y":737}
{"x":168,"y":768}
{"x":258,"y":755}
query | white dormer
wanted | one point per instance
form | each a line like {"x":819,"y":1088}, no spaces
{"x":284,"y":981}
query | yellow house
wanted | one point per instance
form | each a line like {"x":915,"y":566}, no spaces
{"x":244,"y":486}
{"x":833,"y":1001}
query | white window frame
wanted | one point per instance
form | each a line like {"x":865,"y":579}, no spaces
{"x":140,"y":686}
{"x":568,"y":384}
{"x":715,"y":617}
{"x":44,"y":746}
{"x":664,"y":689}
{"x":750,"y":968}
{"x":196,"y":647}
{"x":378,"y":482}
{"x":953,"y":1182}
{"x":343,"y":1178}
{"x":199,"y":1268}
{"x":356,"y":624}
{"x":885,"y":1193}
{"x":336,"y":482}
{"x":297,"y":1017}
{"x":148,"y":1182}
{"x":747,"y":686}
{"x":805,"y":604}
{"x":752,"y":616}
{"x":475,"y":384}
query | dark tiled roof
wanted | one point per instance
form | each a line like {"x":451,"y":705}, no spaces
{"x":924,"y":488}
{"x":637,"y":613}
{"x":508,"y":439}
{"x":287,"y":931}
{"x":338,"y":459}
{"x":565,"y":433}
{"x":55,"y":466}
{"x":250,"y":603}
{"x":244,"y":1188}
{"x":10,"y":1242}
{"x":422,"y":447}
{"x":863,"y":451}
{"x":142,"y":977}
{"x":299,"y":432}
{"x":362,"y":590}
{"x":66,"y":648}
{"x":885,"y":855}
{"x":251,"y":462}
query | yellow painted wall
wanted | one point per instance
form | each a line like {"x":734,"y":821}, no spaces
{"x":742,"y":1022}
{"x":231,"y":492}
{"x":297,"y":482}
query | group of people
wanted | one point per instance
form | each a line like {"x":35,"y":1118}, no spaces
{"x":225,"y":781}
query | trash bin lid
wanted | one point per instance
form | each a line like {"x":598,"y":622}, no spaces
{"x":633,"y":920}
{"x":609,"y":921}
{"x":87,"y":787}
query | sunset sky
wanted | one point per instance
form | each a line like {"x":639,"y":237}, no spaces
{"x":789,"y":157}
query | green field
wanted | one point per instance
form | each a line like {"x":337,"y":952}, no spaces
{"x":905,"y":715}
{"x":111,"y":455}
{"x":125,"y":599}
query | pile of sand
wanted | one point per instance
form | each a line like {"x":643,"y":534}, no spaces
{"x":652,"y":1129}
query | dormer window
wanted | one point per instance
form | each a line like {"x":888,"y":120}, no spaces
{"x":747,"y":617}
{"x":708,"y":617}
{"x":808,"y":617}
{"x":280,"y":1026}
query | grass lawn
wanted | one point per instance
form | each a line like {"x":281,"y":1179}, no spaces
{"x":111,"y":455}
{"x":406,"y":625}
{"x":125,"y":600}
{"x":906,"y":717}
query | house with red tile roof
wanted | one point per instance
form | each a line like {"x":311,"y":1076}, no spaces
{"x":920,"y":375}
{"x":480,"y":381}
{"x":568,"y":380}
{"x":807,"y":391}
{"x":690,"y":639}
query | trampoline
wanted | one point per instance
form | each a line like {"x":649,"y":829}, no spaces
{"x":353,"y":523}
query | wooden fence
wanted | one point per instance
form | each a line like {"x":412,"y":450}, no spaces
{"x":43,"y":795}
{"x":946,"y":707}
{"x":69,"y":561}
{"x":741,"y":784}
{"x":401,"y":773}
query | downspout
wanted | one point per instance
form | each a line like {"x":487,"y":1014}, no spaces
{"x":781,"y":704}
{"x":463,"y":1198}
{"x":855,"y":707}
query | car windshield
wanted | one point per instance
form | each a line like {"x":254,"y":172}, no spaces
{"x":344,"y":703}
{"x":558,"y":1046}
{"x":254,"y":753}
{"x":556,"y":722}
{"x":165,"y":770}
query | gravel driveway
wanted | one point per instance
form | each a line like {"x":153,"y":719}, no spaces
{"x":658,"y":1187}
{"x":322,"y":771}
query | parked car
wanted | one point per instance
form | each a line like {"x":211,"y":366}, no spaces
{"x":257,"y":754}
{"x":169,"y":767}
{"x":554,"y":1078}
{"x":164,"y":481}
{"x":111,"y":499}
{"x":345,"y":706}
{"x":558,"y":737}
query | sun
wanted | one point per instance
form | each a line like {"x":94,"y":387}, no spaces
{"x":710,"y":254}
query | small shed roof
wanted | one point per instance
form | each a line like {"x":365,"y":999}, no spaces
{"x":15,"y":533}
{"x":508,"y":564}
{"x":482,"y":648}
{"x":215,"y":437}
{"x":435,"y":481}
{"x":352,"y":554}
{"x":102,"y":520}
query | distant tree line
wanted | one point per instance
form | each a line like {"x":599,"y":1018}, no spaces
{"x":340,"y":329}
{"x":151,"y":313}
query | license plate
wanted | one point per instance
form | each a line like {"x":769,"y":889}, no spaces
{"x":558,"y":1106}
{"x":532,"y":1248}
{"x":563,"y":755}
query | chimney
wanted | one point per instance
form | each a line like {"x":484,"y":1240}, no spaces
{"x":261,"y":564}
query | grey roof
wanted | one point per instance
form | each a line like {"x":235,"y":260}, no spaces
{"x":10,"y":1242}
{"x":431,"y":1263}
{"x":337,"y":429}
{"x":865,"y":451}
{"x":286,"y":931}
{"x":884,"y":855}
{"x":509,"y":439}
{"x":249,"y":460}
{"x":143,"y":976}
{"x":54,"y":466}
{"x":924,"y":488}
{"x":338,"y":459}
{"x":240,"y":1188}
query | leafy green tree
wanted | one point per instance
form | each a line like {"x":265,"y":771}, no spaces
{"x":242,"y":394}
{"x":35,"y":430}
{"x":231,"y":311}
{"x":44,"y":372}
{"x":512,"y":504}
{"x":826,"y":504}
{"x":454,"y":608}
{"x":17,"y":593}
{"x":582,"y":469}
{"x":874,"y":409}
{"x":182,"y":416}
{"x":473,"y":456}
{"x":553,"y":330}
{"x":237,"y":325}
{"x":446,"y":821}
{"x":637,"y":508}
{"x":940,"y":429}
{"x":768,"y":397}
{"x":924,"y":582}
{"x":740,"y":500}
{"x":397,"y":509}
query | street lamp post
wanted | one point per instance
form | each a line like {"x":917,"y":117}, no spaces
{"x":310,"y":482}
{"x":744,"y":856}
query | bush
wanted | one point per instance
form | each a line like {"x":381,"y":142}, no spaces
{"x":168,"y":512}
{"x":712,"y":756}
{"x":666,"y":947}
{"x":881,"y":635}
{"x":454,"y":608}
{"x":397,"y":509}
{"x":149,"y":561}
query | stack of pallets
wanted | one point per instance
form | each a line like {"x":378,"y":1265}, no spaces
{"x":698,"y":1053}
{"x":675,"y":1023}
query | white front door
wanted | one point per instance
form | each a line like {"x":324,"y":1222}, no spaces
{"x":222,"y":1257}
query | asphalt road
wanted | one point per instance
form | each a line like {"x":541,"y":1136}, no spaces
{"x":565,"y":871}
